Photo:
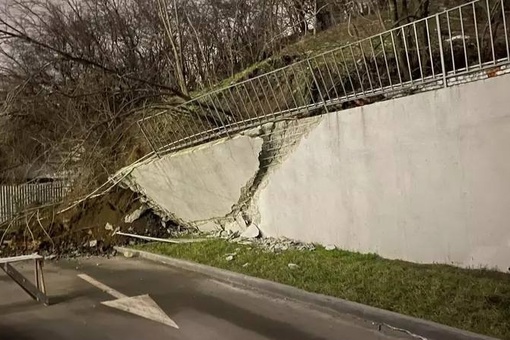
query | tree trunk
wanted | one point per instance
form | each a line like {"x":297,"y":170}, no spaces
{"x":175,"y":44}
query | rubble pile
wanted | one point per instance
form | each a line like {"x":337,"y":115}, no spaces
{"x":270,"y":244}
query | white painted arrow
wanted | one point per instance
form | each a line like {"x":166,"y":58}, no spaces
{"x":141,"y":305}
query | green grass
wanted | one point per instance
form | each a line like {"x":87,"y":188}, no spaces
{"x":475,"y":300}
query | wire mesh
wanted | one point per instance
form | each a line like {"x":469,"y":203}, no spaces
{"x":422,"y":55}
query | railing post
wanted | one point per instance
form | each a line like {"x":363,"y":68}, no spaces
{"x":147,"y":138}
{"x":489,"y":23}
{"x":503,"y":13}
{"x":440,"y":39}
{"x":317,"y":84}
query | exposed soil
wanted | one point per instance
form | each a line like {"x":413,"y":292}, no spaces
{"x":82,"y":230}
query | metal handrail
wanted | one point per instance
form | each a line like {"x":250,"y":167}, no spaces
{"x":421,"y":55}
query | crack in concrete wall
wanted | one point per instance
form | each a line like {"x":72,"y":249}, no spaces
{"x":279,"y":140}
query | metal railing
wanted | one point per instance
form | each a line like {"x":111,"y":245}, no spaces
{"x":14,"y":199}
{"x":425,"y":54}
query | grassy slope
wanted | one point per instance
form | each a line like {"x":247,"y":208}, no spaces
{"x":310,"y":45}
{"x":476,"y":300}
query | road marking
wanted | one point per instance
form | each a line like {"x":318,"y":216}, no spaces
{"x":101,"y":286}
{"x":144,"y":306}
{"x":141,"y":305}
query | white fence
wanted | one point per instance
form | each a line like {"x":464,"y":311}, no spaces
{"x":16,"y":198}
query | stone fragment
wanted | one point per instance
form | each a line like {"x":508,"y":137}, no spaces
{"x":251,"y":232}
{"x":128,"y":254}
{"x":130,"y":218}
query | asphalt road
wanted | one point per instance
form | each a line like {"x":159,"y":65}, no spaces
{"x":202,"y":308}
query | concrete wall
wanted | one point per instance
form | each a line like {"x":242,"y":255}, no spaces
{"x":425,"y":178}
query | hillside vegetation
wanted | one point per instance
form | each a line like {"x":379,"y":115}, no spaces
{"x":75,"y":77}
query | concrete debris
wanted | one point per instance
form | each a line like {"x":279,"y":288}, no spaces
{"x":275,"y":245}
{"x":251,"y":232}
{"x":130,"y":218}
{"x":225,"y":234}
{"x":330,"y":247}
{"x":229,"y":258}
{"x":108,"y":226}
{"x":292,"y":266}
{"x":128,"y":254}
{"x":93,"y":243}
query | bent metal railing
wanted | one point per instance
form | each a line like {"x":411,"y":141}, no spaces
{"x":460,"y":44}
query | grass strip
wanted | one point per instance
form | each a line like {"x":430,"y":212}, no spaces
{"x":475,"y":300}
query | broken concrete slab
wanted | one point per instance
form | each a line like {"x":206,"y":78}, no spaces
{"x":200,"y":183}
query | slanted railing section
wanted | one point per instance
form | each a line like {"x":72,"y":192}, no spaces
{"x":471,"y":40}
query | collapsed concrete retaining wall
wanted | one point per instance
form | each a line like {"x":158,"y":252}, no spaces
{"x":214,"y":185}
{"x":424,"y":178}
{"x":201,"y":184}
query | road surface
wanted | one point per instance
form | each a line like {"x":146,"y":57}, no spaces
{"x":201,"y":308}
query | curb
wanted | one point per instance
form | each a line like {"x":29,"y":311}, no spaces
{"x":419,"y":328}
